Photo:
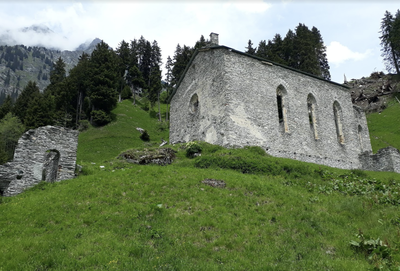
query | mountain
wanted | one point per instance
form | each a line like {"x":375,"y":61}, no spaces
{"x":37,"y":29}
{"x":89,"y":45}
{"x":20,"y":64}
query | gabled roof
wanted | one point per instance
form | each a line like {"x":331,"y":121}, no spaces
{"x":247,"y":55}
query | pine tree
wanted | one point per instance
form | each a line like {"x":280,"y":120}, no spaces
{"x":79,"y":78}
{"x":103,"y":82}
{"x":38,"y":113}
{"x":27,"y":95}
{"x":250,"y":50}
{"x":390,"y":41}
{"x":11,"y":130}
{"x":6,"y":106}
{"x":58,"y":73}
{"x":123,"y":52}
{"x":320,"y":50}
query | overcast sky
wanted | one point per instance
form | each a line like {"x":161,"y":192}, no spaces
{"x":350,"y":29}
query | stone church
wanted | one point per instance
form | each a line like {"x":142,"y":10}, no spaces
{"x":233,"y":99}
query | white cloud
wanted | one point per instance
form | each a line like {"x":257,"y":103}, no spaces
{"x":338,"y":53}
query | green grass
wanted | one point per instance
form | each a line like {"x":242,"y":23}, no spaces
{"x":285,"y":215}
{"x":384,"y":127}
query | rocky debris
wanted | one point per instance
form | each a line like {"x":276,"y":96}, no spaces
{"x":140,"y":130}
{"x":162,"y":157}
{"x":372,"y":93}
{"x":214,"y":183}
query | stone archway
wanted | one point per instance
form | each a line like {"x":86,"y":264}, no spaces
{"x":50,"y":166}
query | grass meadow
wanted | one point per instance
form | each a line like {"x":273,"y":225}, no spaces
{"x":273,"y":214}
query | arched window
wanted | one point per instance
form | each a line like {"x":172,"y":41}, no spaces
{"x":194,"y":103}
{"x":360,"y":137}
{"x":337,"y":112}
{"x":282,"y":108}
{"x":312,"y":117}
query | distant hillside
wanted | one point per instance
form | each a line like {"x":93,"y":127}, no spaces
{"x":19,"y":64}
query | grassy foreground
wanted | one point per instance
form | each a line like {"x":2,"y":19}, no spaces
{"x":279,"y":215}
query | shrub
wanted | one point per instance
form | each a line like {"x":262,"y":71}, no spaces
{"x":192,"y":148}
{"x":164,"y":97}
{"x":126,"y":93}
{"x":162,"y":126}
{"x":100,"y":117}
{"x":83,"y":125}
{"x":145,"y":136}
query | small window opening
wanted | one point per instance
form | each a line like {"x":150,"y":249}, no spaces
{"x":337,"y":111}
{"x":282,"y":111}
{"x":194,"y":103}
{"x":312,"y":119}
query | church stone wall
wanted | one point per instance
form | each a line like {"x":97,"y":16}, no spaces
{"x":238,"y":106}
{"x":46,"y":153}
{"x":204,"y":118}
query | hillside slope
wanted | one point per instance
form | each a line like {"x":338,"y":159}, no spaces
{"x":123,"y":216}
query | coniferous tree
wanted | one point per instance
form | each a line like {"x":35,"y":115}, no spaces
{"x":320,"y":50}
{"x":22,"y":103}
{"x":6,"y":106}
{"x":39,"y":112}
{"x":123,"y":52}
{"x":79,"y":78}
{"x":390,"y":41}
{"x":250,"y":50}
{"x":102,"y":86}
{"x":11,"y":130}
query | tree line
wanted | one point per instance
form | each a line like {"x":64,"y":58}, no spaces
{"x":302,"y":49}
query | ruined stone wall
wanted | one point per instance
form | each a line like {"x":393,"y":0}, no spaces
{"x":46,"y":153}
{"x":238,"y":106}
{"x":387,"y":159}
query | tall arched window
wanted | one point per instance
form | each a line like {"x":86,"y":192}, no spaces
{"x":337,"y":112}
{"x":194,"y":103}
{"x":312,"y":117}
{"x":282,"y":108}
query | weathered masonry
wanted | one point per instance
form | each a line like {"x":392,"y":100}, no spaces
{"x":233,"y":99}
{"x":46,"y":153}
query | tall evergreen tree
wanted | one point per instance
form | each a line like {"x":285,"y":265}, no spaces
{"x":11,"y":130}
{"x":250,"y":50}
{"x":104,"y":78}
{"x":22,"y":103}
{"x":79,"y":79}
{"x":320,"y":50}
{"x":390,"y":41}
{"x":6,"y":107}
